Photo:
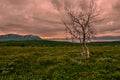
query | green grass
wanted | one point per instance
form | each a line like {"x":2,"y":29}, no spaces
{"x":47,"y":60}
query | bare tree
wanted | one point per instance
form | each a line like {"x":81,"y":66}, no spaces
{"x":79,"y":17}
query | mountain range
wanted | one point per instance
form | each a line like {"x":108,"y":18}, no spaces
{"x":8,"y":37}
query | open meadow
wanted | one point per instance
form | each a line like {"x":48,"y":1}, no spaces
{"x":47,"y":60}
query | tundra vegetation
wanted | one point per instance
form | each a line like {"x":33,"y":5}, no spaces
{"x":49,"y":60}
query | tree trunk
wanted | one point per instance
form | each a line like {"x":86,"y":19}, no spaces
{"x":86,"y":50}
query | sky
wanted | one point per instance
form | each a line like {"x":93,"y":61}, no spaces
{"x":39,"y":17}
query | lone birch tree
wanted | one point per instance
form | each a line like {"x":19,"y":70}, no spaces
{"x":79,"y":17}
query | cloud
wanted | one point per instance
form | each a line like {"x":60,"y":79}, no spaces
{"x":41,"y":18}
{"x":24,"y":16}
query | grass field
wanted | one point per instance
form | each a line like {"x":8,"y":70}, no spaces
{"x":46,"y":60}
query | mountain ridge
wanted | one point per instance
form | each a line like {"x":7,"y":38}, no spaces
{"x":8,"y":37}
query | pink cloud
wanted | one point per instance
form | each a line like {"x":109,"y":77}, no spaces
{"x":41,"y":18}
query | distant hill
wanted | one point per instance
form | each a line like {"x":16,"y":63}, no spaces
{"x":9,"y":37}
{"x":107,"y":38}
{"x":99,"y":39}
